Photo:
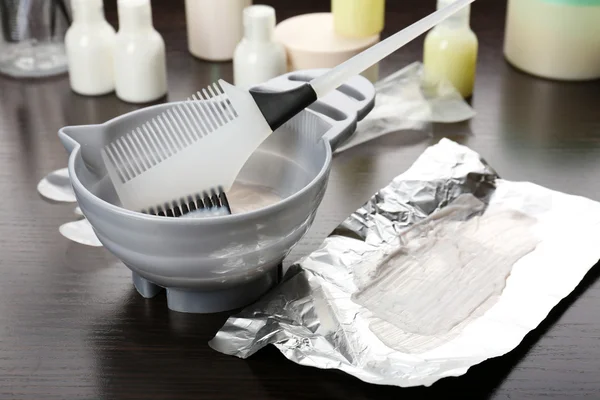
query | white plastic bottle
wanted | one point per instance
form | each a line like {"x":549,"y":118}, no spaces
{"x":258,"y":58}
{"x":89,"y":44}
{"x":139,"y":61}
{"x":450,"y":50}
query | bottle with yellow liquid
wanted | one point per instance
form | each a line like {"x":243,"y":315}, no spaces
{"x":358,"y":18}
{"x":450,"y":51}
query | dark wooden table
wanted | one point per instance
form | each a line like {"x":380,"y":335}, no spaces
{"x":72,"y":325}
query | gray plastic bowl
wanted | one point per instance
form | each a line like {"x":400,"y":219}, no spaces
{"x":220,"y":263}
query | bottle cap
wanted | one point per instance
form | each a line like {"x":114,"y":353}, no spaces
{"x":134,"y":14}
{"x":259,"y":22}
{"x":87,"y":8}
{"x":461,"y":15}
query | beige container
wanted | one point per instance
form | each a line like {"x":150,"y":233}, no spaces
{"x":214,"y":27}
{"x":555,"y":39}
{"x":311,"y":42}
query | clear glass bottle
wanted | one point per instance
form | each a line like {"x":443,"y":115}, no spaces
{"x":139,"y":59}
{"x":90,"y":45}
{"x":258,"y":58}
{"x":450,"y":51}
{"x":32,"y":38}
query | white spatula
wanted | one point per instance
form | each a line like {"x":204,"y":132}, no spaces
{"x":210,"y":137}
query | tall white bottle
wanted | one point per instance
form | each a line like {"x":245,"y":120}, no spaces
{"x":89,"y":44}
{"x":140,"y":61}
{"x":258,"y":58}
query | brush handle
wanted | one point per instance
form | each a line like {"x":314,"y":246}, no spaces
{"x":357,"y":64}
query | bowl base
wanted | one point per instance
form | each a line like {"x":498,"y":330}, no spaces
{"x":205,"y":302}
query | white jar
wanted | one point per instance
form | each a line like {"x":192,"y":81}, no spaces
{"x":555,"y":39}
{"x":89,"y":43}
{"x":258,"y":58}
{"x":214,"y":27}
{"x":139,"y":61}
{"x":358,"y":18}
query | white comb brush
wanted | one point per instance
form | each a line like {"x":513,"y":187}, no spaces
{"x":213,"y":135}
{"x":205,"y":137}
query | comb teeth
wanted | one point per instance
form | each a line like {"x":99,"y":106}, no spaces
{"x":170,"y":132}
{"x":213,"y":203}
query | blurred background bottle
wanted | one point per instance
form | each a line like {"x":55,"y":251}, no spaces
{"x":258,"y":58}
{"x":139,"y":59}
{"x":555,"y":39}
{"x":90,"y":45}
{"x":214,"y":27}
{"x":450,"y":51}
{"x":32,"y":42}
{"x":358,"y":18}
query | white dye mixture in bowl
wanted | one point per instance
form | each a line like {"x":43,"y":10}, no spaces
{"x":244,"y":197}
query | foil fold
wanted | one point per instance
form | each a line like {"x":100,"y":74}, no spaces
{"x":311,"y":318}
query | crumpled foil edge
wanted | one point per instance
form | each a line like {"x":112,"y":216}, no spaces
{"x":310,"y":318}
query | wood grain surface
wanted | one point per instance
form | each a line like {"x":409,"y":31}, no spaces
{"x":72,"y":325}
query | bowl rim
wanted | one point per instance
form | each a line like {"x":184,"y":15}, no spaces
{"x":81,"y":190}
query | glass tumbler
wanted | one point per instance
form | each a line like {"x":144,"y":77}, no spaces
{"x":32,"y":37}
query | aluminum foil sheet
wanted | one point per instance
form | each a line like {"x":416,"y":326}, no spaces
{"x":313,"y":319}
